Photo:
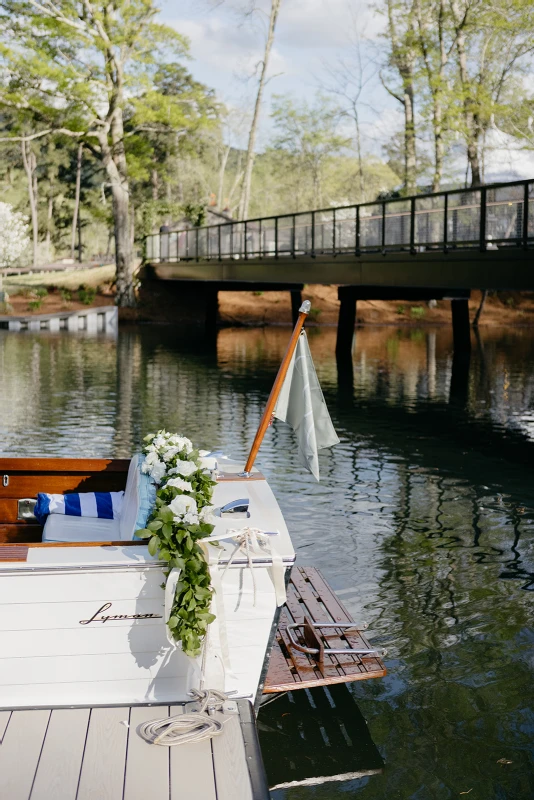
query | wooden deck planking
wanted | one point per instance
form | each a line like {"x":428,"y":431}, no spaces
{"x":192,"y":772}
{"x":97,"y":754}
{"x":147,"y":766}
{"x":309,"y":595}
{"x":232,"y":781}
{"x":58,"y":771}
{"x":4,"y":721}
{"x":20,"y":752}
{"x":102,"y":774}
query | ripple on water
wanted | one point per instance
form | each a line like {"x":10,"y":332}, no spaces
{"x":422,"y":521}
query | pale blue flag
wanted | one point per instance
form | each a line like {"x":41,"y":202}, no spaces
{"x":301,"y":404}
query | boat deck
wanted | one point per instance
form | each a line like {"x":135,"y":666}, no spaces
{"x":96,"y":754}
{"x":308,"y":595}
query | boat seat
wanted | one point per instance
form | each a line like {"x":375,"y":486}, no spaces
{"x":64,"y":528}
{"x":139,"y":497}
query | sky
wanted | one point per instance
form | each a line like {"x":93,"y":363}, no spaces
{"x":312,"y":39}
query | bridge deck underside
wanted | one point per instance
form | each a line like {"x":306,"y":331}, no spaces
{"x":506,"y":268}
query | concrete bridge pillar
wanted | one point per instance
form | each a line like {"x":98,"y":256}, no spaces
{"x":346,"y":321}
{"x":461,"y":328}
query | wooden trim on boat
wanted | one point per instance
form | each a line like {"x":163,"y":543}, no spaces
{"x":13,"y":552}
{"x":61,"y":465}
{"x":120,"y":543}
{"x":223,"y":477}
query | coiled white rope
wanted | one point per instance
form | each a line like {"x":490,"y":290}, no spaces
{"x":187,"y":728}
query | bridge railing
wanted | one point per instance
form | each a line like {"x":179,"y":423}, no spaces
{"x":489,"y":217}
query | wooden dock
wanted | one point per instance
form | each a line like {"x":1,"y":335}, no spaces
{"x":96,"y":319}
{"x":97,"y":754}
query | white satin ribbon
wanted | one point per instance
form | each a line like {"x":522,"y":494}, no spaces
{"x":170,"y":592}
{"x":253,"y":541}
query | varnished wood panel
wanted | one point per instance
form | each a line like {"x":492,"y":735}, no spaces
{"x":309,"y":595}
{"x":21,"y":485}
{"x":13,"y":553}
{"x":23,"y":533}
{"x":59,"y":465}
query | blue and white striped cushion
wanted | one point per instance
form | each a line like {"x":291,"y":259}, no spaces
{"x":103,"y":505}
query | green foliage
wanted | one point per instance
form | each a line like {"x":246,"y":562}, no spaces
{"x":35,"y":305}
{"x":65,"y":295}
{"x":417,"y":312}
{"x":175,"y":528}
{"x":86,"y":294}
{"x":41,"y":291}
{"x":401,"y":309}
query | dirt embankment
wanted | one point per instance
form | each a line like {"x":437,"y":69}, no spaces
{"x":72,"y":290}
{"x":253,"y":308}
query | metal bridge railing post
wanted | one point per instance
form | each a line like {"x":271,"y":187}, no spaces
{"x":525,"y":214}
{"x":245,"y":240}
{"x":313,"y":235}
{"x":219,"y":241}
{"x":293,"y":235}
{"x":334,"y":231}
{"x":482,"y":241}
{"x":357,"y":238}
{"x":445,"y":222}
{"x":196,"y":244}
{"x":412,"y":225}
{"x":383,"y":226}
{"x":276,"y":237}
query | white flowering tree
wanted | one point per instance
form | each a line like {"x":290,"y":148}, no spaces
{"x":14,"y":237}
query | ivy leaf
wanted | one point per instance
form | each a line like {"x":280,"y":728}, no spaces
{"x":155,"y":525}
{"x":153,"y":545}
{"x":173,"y":622}
{"x":143,"y":533}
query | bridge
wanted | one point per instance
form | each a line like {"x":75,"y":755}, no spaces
{"x":429,"y":246}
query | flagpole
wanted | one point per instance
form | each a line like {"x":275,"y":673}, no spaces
{"x":304,"y":310}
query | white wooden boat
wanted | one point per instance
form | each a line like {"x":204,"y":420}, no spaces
{"x":83,"y":627}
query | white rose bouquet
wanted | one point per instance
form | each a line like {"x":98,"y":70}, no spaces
{"x":182,"y":515}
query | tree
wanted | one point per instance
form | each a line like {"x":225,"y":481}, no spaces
{"x":402,"y":60}
{"x":492,"y":42}
{"x":347,"y":79}
{"x":435,"y":45}
{"x":310,"y":136}
{"x":249,"y":162}
{"x":78,"y":65}
{"x":13,"y":235}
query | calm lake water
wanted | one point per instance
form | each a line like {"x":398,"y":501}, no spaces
{"x":423,"y":523}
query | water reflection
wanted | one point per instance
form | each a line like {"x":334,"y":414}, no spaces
{"x":422,"y":522}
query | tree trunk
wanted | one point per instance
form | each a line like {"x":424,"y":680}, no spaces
{"x":154,"y":180}
{"x":410,"y":158}
{"x":403,"y":55}
{"x":76,"y":201}
{"x":249,"y":164}
{"x":480,"y":309}
{"x":114,"y":159}
{"x":29,"y":161}
{"x":471,"y":125}
{"x":222,"y":171}
{"x":49,"y":215}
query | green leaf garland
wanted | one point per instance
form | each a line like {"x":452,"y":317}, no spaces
{"x":181,"y":516}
